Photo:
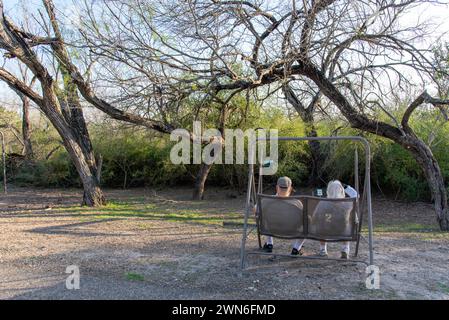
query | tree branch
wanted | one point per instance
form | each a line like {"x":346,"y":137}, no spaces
{"x":20,"y":87}
{"x":423,"y":98}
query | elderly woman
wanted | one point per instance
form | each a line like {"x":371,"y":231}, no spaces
{"x":336,"y":190}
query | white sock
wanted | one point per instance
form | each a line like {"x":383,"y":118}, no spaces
{"x":323,"y":247}
{"x":270,"y":240}
{"x":345,"y":247}
{"x":298,"y":244}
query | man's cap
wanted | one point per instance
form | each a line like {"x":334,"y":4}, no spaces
{"x":284,"y":182}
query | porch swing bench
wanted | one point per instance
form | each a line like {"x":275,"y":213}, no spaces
{"x":310,"y":217}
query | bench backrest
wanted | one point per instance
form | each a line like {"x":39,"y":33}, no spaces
{"x":308,"y":217}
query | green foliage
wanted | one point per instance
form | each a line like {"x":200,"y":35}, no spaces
{"x":136,"y":157}
{"x":55,"y":172}
{"x":395,"y":169}
{"x":9,"y":124}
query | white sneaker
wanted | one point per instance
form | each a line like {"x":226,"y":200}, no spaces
{"x":322,"y":253}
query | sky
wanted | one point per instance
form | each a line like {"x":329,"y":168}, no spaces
{"x":437,"y":14}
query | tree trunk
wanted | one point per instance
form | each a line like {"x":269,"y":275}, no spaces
{"x":315,"y":154}
{"x":26,"y":128}
{"x":200,"y":181}
{"x":99,"y":161}
{"x":72,"y":128}
{"x":93,"y":196}
{"x":425,"y":158}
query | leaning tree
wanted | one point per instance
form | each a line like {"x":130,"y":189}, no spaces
{"x":358,"y":54}
{"x":57,"y":92}
{"x":139,"y":56}
{"x":59,"y":102}
{"x":136,"y":88}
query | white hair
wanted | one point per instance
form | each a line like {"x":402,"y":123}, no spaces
{"x":335,"y":189}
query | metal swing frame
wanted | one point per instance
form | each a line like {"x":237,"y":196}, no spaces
{"x":252,"y":196}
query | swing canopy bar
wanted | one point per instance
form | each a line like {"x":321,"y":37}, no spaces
{"x":310,"y":217}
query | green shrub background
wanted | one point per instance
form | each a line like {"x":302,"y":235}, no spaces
{"x":133,"y":157}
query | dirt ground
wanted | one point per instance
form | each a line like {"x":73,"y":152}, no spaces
{"x":150,"y":244}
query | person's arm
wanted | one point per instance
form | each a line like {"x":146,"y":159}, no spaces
{"x":350,"y":191}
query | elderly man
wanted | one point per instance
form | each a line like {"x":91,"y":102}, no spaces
{"x":284,"y":188}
